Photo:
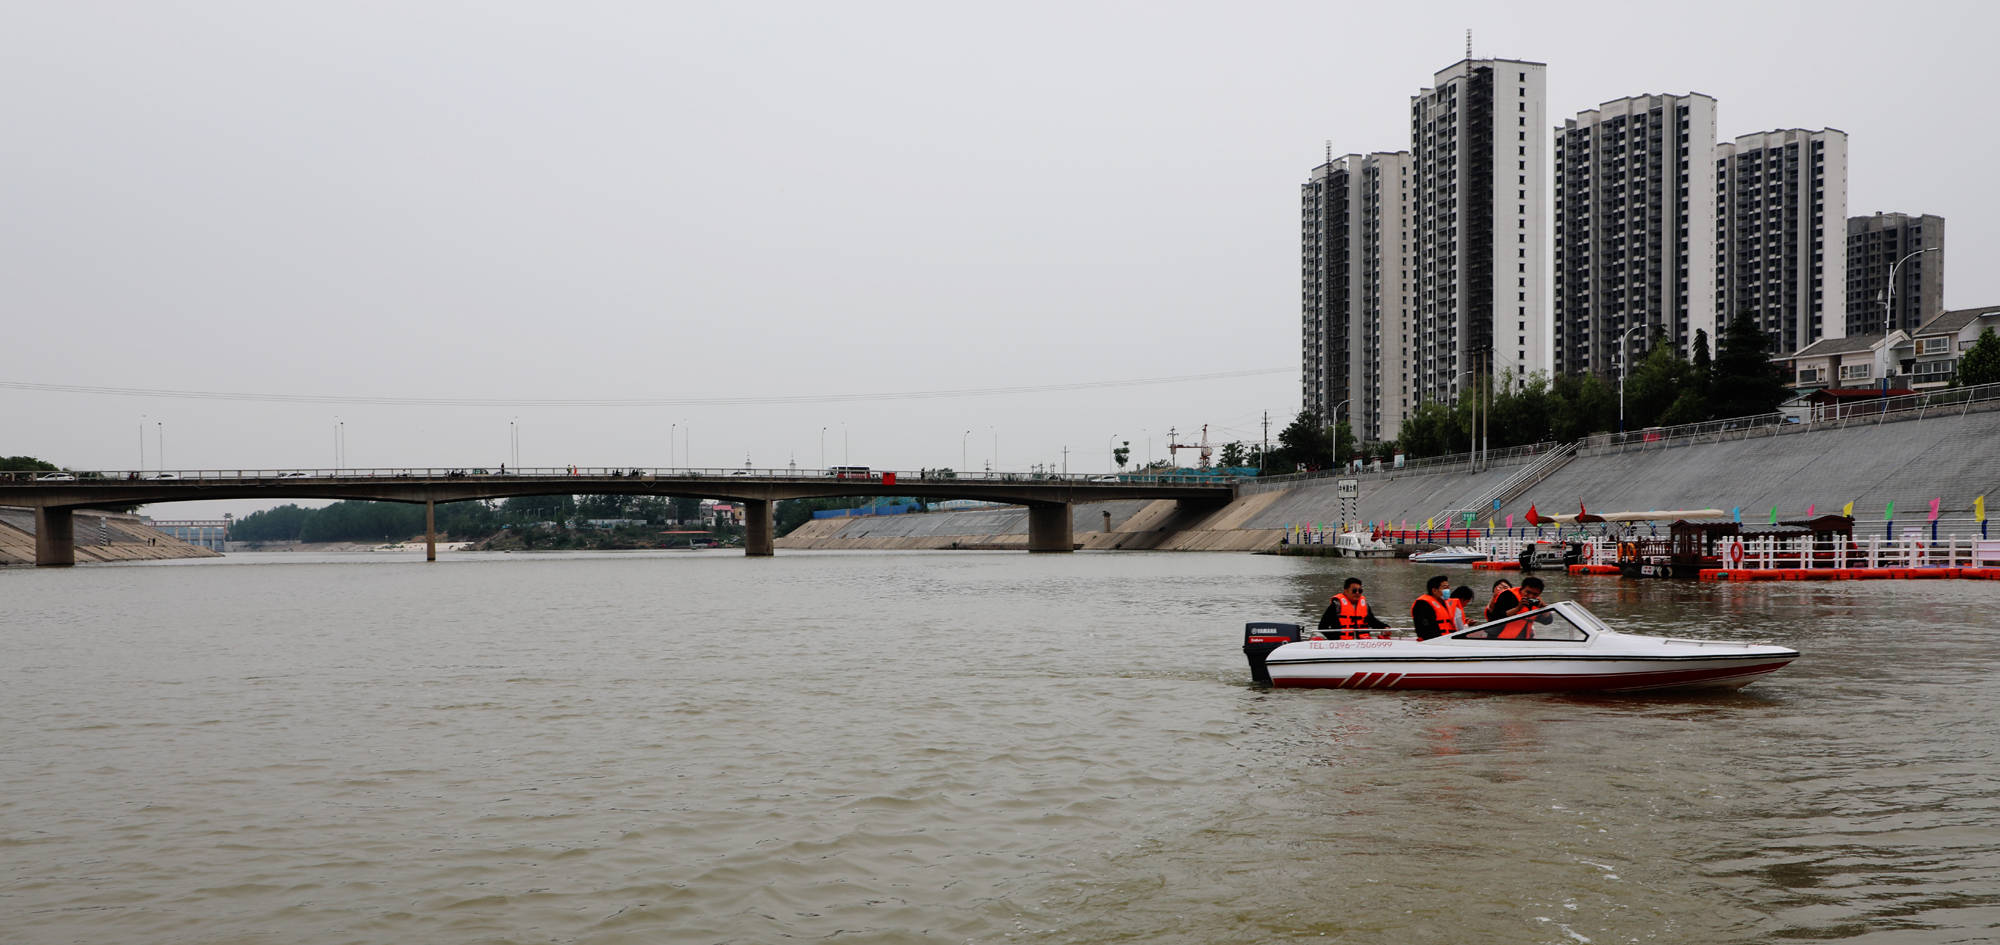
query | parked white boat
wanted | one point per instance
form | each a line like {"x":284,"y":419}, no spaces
{"x":1362,"y":545}
{"x":1449,"y":554}
{"x":1559,"y":648}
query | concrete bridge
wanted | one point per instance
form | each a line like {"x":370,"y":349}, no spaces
{"x":55,"y":496}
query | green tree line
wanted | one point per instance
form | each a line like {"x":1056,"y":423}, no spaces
{"x":356,"y":520}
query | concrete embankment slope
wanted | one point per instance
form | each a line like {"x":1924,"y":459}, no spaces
{"x":1951,"y":458}
{"x":100,"y":536}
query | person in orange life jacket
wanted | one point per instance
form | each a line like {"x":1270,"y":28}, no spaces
{"x":1505,"y":599}
{"x":1531,"y":599}
{"x":1431,"y":613}
{"x":1349,"y":613}
{"x":1461,"y":598}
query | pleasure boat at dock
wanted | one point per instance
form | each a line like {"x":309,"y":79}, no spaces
{"x":1558,"y":648}
{"x":1362,"y":545}
{"x":1449,"y":554}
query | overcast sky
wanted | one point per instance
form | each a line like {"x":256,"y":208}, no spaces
{"x":786,"y":205}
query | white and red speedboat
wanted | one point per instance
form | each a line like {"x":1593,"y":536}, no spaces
{"x":1559,"y":648}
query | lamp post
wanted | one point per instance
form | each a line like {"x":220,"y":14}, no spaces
{"x":1333,"y":428}
{"x":142,"y":441}
{"x":673,"y":442}
{"x":1624,"y":370}
{"x":1889,"y":300}
{"x":1111,"y":451}
{"x":822,"y":449}
{"x":160,"y":426}
{"x":962,"y":441}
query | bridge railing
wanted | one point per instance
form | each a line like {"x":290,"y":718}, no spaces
{"x":588,"y":475}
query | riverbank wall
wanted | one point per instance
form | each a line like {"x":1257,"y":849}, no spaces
{"x":1895,"y":463}
{"x":100,"y":536}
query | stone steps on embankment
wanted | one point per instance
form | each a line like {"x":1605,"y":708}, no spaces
{"x":100,"y":537}
{"x":1951,"y":458}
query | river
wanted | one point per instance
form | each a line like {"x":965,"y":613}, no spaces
{"x":954,"y":747}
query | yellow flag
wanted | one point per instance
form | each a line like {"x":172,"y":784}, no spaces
{"x":1490,"y":526}
{"x":1847,"y":510}
{"x":1979,"y":509}
{"x":1430,"y":523}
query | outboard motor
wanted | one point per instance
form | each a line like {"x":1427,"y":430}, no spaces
{"x":1260,"y":638}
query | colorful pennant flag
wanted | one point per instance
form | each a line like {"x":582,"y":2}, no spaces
{"x":1510,"y":520}
{"x":1889,"y":511}
{"x":1934,"y":509}
{"x":1533,"y":519}
{"x":1979,"y":509}
{"x":1847,"y":510}
{"x":1736,"y":514}
{"x":1809,"y":509}
{"x":1774,"y":515}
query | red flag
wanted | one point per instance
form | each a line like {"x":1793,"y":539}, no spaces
{"x":1533,"y":518}
{"x":1580,"y":510}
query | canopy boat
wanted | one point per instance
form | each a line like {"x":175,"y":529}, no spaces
{"x":1362,"y":545}
{"x":1558,"y":648}
{"x":1450,"y":554}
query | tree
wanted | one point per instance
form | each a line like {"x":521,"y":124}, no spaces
{"x":25,"y":464}
{"x":1233,"y":454}
{"x":1123,"y":453}
{"x":1343,"y":443}
{"x":1303,"y":443}
{"x":1746,"y":383}
{"x":1981,"y":363}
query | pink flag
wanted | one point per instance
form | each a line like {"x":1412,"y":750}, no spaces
{"x":1934,"y":509}
{"x":1510,"y":520}
{"x":1809,"y":508}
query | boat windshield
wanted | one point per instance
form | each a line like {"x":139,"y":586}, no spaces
{"x":1553,"y":623}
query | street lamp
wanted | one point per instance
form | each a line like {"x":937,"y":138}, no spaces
{"x":1889,"y":301}
{"x":1332,"y":428}
{"x":1624,"y":370}
{"x":822,"y":449}
{"x":962,"y":441}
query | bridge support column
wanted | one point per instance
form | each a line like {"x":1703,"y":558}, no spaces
{"x":55,"y":538}
{"x":430,"y":530}
{"x":1049,"y":528}
{"x":758,"y":516}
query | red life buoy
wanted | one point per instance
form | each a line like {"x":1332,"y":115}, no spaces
{"x":1736,"y":553}
{"x":1588,"y":550}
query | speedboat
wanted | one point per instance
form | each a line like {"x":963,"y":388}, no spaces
{"x":1449,"y":554}
{"x":1362,"y":545}
{"x":1558,"y":648}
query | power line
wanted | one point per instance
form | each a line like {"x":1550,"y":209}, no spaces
{"x":729,"y":401}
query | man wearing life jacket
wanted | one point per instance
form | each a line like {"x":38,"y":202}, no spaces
{"x":1531,"y":599}
{"x":1431,"y":613}
{"x":1349,"y":614}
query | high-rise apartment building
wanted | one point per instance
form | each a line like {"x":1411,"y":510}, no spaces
{"x":1875,"y":245}
{"x":1479,"y":153}
{"x":1781,"y":218}
{"x":1354,"y":296}
{"x":1634,"y":229}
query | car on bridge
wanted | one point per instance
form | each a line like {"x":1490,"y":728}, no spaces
{"x":56,"y":477}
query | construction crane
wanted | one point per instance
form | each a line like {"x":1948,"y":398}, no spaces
{"x":1173,"y":447}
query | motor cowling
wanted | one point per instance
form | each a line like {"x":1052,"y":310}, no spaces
{"x":1260,"y":638}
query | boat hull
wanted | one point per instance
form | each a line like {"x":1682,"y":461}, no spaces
{"x":1538,"y":674}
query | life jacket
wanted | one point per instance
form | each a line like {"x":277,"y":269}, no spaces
{"x":1438,"y":607}
{"x":1353,"y":613}
{"x":1458,"y":621}
{"x":1518,"y":629}
{"x":1503,"y":603}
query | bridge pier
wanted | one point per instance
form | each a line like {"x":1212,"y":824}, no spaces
{"x":55,"y":538}
{"x":758,"y":517}
{"x":1049,"y":527}
{"x":430,"y":530}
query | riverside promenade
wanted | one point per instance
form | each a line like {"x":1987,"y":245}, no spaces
{"x":1895,"y":462}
